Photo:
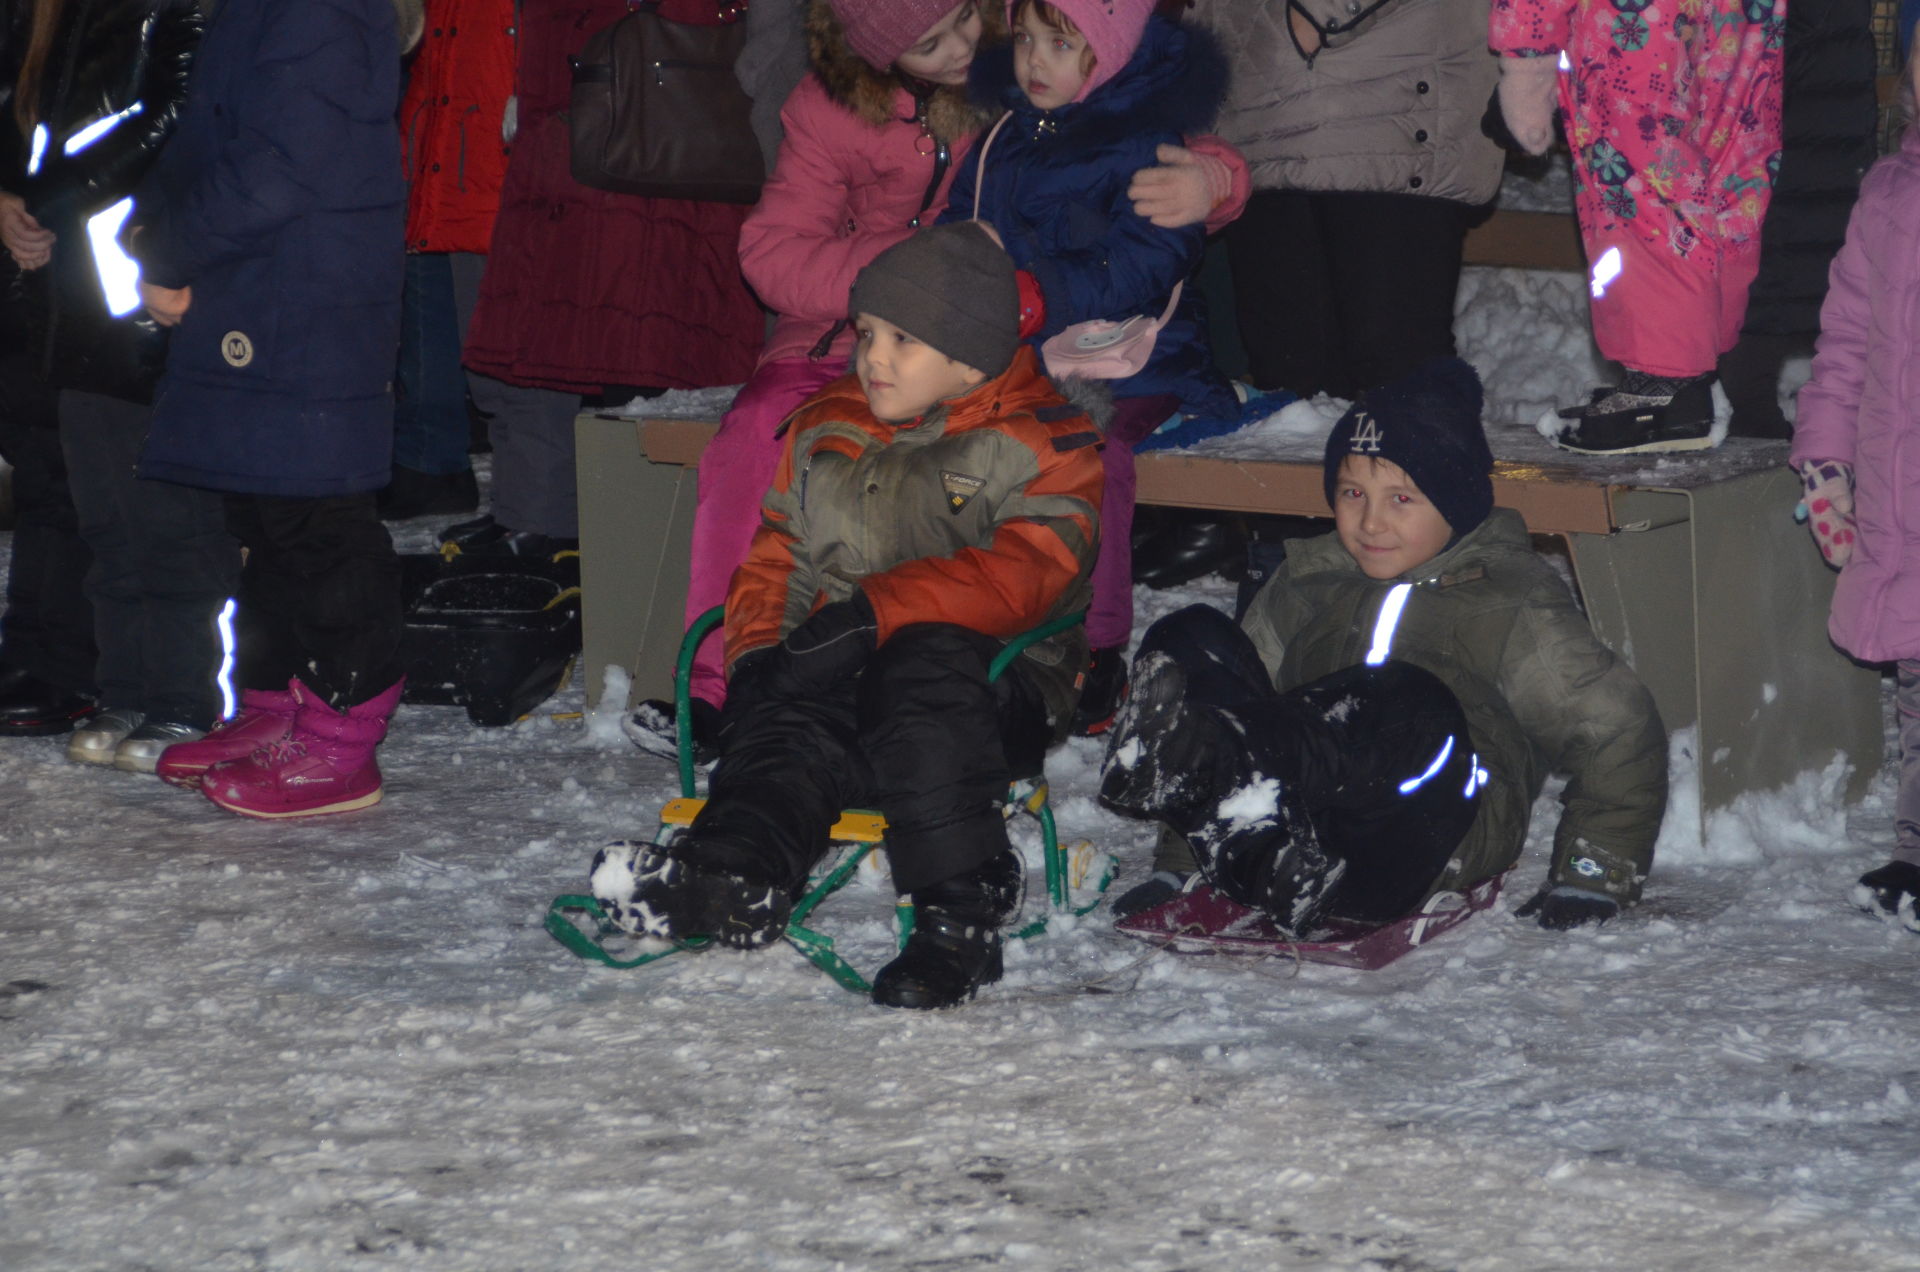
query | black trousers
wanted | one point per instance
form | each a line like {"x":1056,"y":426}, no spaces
{"x":1374,"y":761}
{"x":919,"y":735}
{"x":163,"y":566}
{"x":1337,"y":293}
{"x":319,"y":596}
{"x":47,"y":630}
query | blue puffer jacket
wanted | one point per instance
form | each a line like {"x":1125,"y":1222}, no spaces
{"x":280,"y":201}
{"x":1056,"y":190}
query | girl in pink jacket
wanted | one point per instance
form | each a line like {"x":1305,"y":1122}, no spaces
{"x":1856,"y":444}
{"x":1672,"y":113}
{"x":873,"y":136}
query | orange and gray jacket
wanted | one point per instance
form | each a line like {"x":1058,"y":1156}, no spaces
{"x":984,"y":513}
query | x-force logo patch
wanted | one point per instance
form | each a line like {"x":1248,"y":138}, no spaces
{"x":960,"y":489}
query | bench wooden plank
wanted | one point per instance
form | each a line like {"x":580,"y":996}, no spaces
{"x":1526,"y":240}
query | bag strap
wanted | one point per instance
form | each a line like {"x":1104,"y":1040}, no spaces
{"x":980,"y":166}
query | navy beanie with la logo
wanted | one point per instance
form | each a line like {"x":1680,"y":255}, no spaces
{"x":1427,"y":422}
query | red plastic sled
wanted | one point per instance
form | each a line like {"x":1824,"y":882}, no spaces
{"x":1205,"y":922}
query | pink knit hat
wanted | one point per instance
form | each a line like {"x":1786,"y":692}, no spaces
{"x":1113,"y":29}
{"x":879,"y":31}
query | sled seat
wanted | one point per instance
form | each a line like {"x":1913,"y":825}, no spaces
{"x":856,"y":834}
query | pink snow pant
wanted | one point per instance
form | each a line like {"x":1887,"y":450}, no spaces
{"x":1674,"y":122}
{"x":1110,"y":617}
{"x":735,"y":472}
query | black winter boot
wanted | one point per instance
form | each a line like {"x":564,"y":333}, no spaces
{"x":680,"y":892}
{"x":954,"y":948}
{"x":1163,"y":751}
{"x":1278,"y":868}
{"x":1643,"y":413}
{"x":1891,"y":892}
{"x":654,"y":728}
{"x":1193,"y":546}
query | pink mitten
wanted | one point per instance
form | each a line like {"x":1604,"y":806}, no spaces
{"x":1529,"y":93}
{"x":1829,"y":504}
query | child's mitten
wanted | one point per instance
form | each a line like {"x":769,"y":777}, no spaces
{"x":1829,"y":505}
{"x":1560,"y":908}
{"x":1529,"y":91}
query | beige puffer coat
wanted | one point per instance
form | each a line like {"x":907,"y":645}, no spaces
{"x":1391,"y":105}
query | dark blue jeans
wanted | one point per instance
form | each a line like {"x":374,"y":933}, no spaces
{"x":431,"y":432}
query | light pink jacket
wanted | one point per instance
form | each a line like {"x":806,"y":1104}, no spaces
{"x":1863,"y":407}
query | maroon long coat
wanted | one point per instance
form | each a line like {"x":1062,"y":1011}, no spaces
{"x":584,"y":288}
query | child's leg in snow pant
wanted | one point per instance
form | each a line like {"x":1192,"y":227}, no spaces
{"x":319,"y":596}
{"x":1373,"y":761}
{"x":942,"y":744}
{"x":1110,"y":617}
{"x":735,"y":471}
{"x":919,"y":734}
{"x":534,"y":487}
{"x":1906,"y":808}
{"x":1673,"y":125}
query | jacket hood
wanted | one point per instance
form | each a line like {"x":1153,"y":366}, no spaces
{"x":869,"y":93}
{"x":1176,"y":80}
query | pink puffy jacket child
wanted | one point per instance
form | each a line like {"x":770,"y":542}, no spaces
{"x":1672,"y":113}
{"x":1856,"y":445}
{"x":873,"y":136}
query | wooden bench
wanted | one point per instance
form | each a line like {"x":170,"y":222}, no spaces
{"x":1691,"y":567}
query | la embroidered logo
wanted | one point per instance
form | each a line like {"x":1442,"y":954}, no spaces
{"x":960,"y":489}
{"x":1366,"y":434}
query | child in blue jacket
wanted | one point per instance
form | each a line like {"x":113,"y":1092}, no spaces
{"x":1092,"y":88}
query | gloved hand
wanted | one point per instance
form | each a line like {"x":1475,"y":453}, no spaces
{"x":1829,"y":505}
{"x":1529,"y":93}
{"x":1559,"y":908}
{"x":829,"y":647}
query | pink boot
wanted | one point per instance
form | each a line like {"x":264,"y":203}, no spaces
{"x":325,"y":766}
{"x":264,"y":718}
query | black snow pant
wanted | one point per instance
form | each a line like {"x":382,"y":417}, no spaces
{"x":163,"y":566}
{"x":48,"y":627}
{"x":1342,"y":292}
{"x":1373,"y":761}
{"x":319,"y":597}
{"x":919,"y":735}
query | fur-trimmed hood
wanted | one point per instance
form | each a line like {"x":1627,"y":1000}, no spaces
{"x":869,"y":92}
{"x":1175,"y":81}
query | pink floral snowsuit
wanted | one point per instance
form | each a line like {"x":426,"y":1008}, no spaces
{"x":1672,"y":111}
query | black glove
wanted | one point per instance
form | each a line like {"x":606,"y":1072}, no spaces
{"x":1557,"y":909}
{"x":828,"y":648}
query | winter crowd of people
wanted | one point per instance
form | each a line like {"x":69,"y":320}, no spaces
{"x":268,"y":264}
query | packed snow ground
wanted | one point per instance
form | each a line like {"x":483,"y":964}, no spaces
{"x":350,"y":1044}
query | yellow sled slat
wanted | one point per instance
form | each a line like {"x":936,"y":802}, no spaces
{"x":854,"y":826}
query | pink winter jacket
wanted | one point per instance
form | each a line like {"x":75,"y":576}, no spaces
{"x":1862,"y":407}
{"x":842,"y":192}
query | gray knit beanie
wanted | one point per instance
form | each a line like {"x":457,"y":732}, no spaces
{"x":951,"y":287}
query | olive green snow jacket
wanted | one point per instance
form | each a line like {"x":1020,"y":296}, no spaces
{"x":1494,"y":622}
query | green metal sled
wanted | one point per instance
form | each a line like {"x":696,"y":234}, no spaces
{"x":582,"y":925}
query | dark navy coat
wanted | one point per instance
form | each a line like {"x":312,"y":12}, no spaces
{"x":280,"y":201}
{"x":1056,"y":190}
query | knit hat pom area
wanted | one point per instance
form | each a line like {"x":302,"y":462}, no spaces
{"x":1428,"y":423}
{"x":951,"y":287}
{"x":879,"y":31}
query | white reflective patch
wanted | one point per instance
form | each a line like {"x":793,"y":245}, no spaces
{"x":1565,"y":65}
{"x":1383,"y":626}
{"x":39,"y":150}
{"x":1605,"y":270}
{"x":98,"y":129}
{"x":1476,"y":777}
{"x":225,"y":678}
{"x":119,"y":273}
{"x":1413,"y":784}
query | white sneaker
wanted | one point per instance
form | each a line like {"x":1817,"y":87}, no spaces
{"x":95,"y":741}
{"x":140,"y":750}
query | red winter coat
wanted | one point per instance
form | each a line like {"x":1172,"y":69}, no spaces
{"x":450,"y":120}
{"x":584,"y":288}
